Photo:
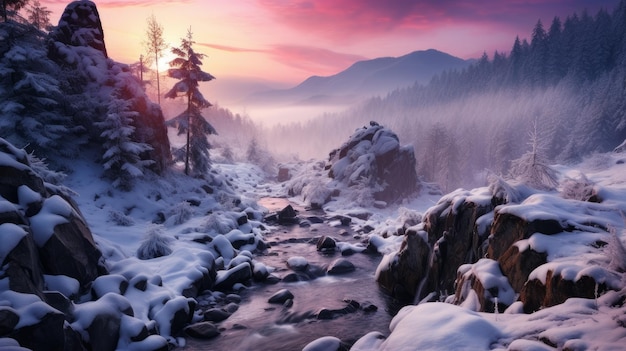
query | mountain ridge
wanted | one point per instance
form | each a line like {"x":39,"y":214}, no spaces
{"x":364,"y":78}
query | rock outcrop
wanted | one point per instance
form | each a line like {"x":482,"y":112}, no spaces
{"x":373,"y":157}
{"x":490,"y":252}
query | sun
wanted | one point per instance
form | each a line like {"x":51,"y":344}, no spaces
{"x":164,"y":61}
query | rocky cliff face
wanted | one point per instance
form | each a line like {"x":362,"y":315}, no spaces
{"x":541,"y":251}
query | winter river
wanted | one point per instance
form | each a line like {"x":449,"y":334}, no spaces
{"x":258,"y":325}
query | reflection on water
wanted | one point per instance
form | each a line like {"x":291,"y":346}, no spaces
{"x":258,"y":325}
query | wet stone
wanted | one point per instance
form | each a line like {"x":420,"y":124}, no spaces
{"x":215,"y":315}
{"x":281,"y":297}
{"x":202,"y":330}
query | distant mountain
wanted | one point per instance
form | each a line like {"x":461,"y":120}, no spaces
{"x":364,"y":79}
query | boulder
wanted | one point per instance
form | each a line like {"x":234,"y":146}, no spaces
{"x":215,"y":315}
{"x":326,"y":243}
{"x":202,"y":330}
{"x":281,"y":296}
{"x":238,"y":274}
{"x":341,"y":266}
{"x":373,"y":157}
{"x":287,"y":215}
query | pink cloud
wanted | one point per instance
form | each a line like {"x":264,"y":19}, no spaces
{"x":306,"y":58}
{"x":345,"y":20}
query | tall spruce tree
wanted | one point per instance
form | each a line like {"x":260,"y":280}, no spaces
{"x":122,"y":155}
{"x":155,"y":44}
{"x":186,"y":68}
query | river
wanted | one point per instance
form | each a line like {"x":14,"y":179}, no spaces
{"x":258,"y":325}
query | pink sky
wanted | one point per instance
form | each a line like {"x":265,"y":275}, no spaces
{"x":290,"y":40}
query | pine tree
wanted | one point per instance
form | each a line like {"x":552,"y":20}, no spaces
{"x":186,"y":68}
{"x":14,"y":5}
{"x":532,"y":168}
{"x":39,"y":16}
{"x":155,"y":44}
{"x":30,"y":93}
{"x":122,"y":156}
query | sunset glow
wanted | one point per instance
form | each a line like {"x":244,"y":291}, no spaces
{"x":287,"y":41}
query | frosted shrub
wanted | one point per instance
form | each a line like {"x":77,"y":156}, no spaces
{"x":500,"y":189}
{"x":155,"y":244}
{"x":362,"y":192}
{"x":41,"y":168}
{"x":181,"y":212}
{"x":581,"y":188}
{"x":219,"y":223}
{"x":316,"y":192}
{"x":616,"y":252}
{"x":120,"y":219}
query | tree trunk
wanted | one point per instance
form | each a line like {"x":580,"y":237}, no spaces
{"x":188,"y":132}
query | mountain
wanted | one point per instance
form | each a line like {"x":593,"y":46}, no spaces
{"x":364,"y":79}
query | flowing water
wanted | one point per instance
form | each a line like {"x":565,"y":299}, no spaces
{"x":259,"y":325}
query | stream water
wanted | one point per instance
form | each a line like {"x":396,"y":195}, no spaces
{"x":259,"y":325}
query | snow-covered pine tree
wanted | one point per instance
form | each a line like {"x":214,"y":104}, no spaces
{"x":186,"y":68}
{"x":122,"y":155}
{"x":30,"y":93}
{"x":532,"y":168}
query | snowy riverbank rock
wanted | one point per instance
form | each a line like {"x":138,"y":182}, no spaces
{"x":43,"y":232}
{"x":541,"y":248}
{"x":373,"y":157}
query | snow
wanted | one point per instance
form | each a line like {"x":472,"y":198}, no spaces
{"x":29,"y":307}
{"x":412,"y":329}
{"x":488,"y":273}
{"x":10,"y":235}
{"x":297,"y":263}
{"x":65,"y":285}
{"x":55,"y":211}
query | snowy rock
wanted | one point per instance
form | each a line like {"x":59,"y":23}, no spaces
{"x":493,"y":290}
{"x":225,"y":280}
{"x":341,"y":266}
{"x":287,"y":215}
{"x":373,"y":158}
{"x":80,"y":26}
{"x":326,"y":343}
{"x":326,"y":243}
{"x":401,"y":273}
{"x":297,"y":263}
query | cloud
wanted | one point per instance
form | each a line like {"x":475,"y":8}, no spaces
{"x":123,"y":3}
{"x":312,"y":59}
{"x":228,"y":48}
{"x":306,"y":58}
{"x":345,"y":20}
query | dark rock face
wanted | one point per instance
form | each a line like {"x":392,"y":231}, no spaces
{"x":47,"y":334}
{"x":80,"y":26}
{"x":431,"y":258}
{"x":508,"y":228}
{"x":557,"y":289}
{"x":402,"y":277}
{"x":373,"y":154}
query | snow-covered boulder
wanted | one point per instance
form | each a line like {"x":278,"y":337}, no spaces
{"x":372,"y":157}
{"x":80,"y":26}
